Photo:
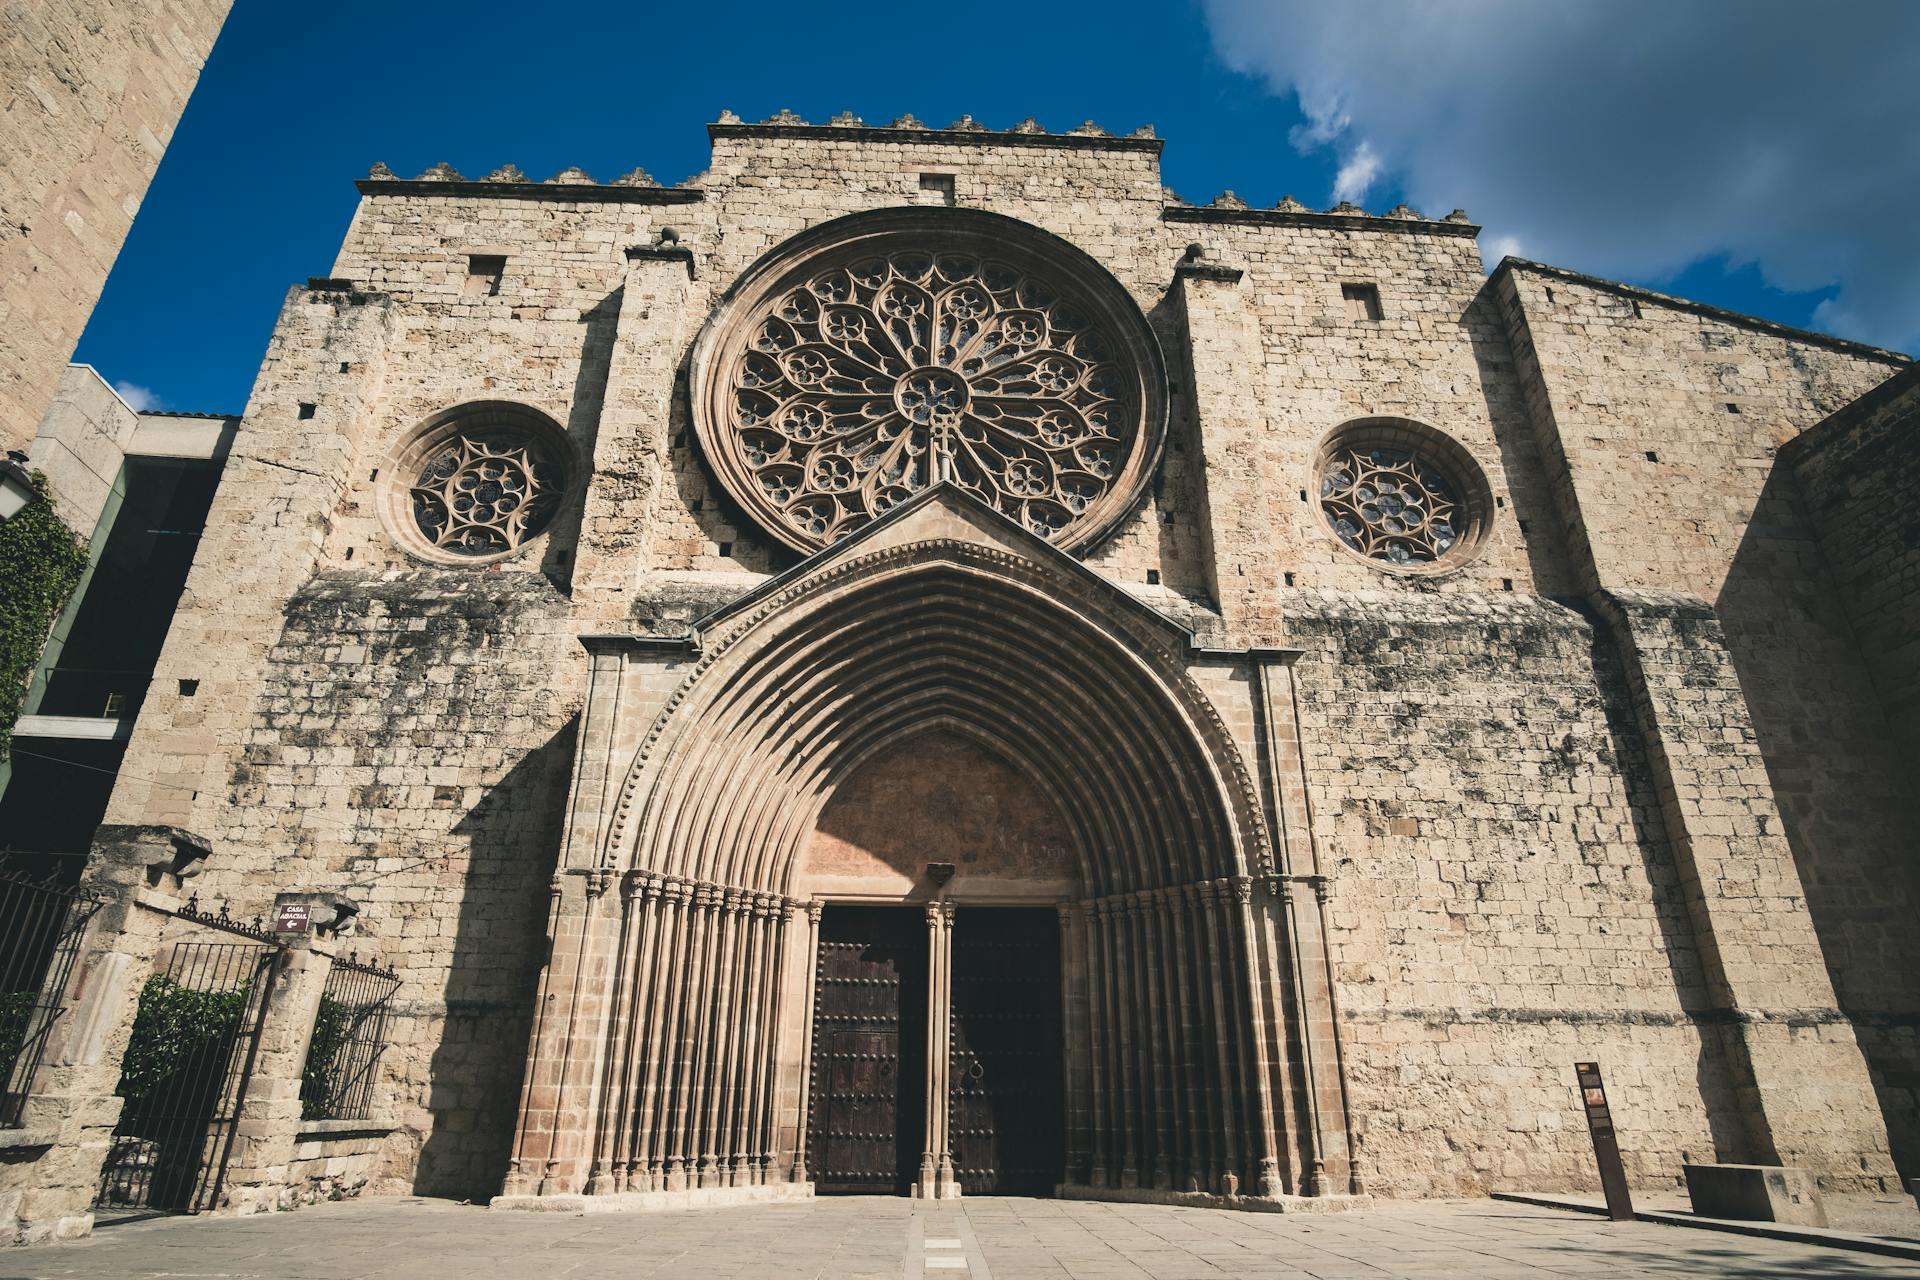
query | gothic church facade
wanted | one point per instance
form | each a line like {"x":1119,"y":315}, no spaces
{"x":917,"y":660}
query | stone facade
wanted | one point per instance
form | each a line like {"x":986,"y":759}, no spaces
{"x":1350,"y":860}
{"x":92,"y":92}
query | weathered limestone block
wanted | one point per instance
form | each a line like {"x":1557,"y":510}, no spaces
{"x":1755,"y":1193}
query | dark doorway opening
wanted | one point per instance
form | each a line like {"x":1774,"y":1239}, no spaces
{"x":866,"y":1116}
{"x":1005,"y":1083}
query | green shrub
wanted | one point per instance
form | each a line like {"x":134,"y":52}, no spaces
{"x":40,"y":564}
{"x":16,"y":1011}
{"x":178,"y":1028}
{"x":320,"y":1083}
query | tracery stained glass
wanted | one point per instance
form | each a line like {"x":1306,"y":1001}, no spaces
{"x":870,"y":381}
{"x":482,"y":493}
{"x":1390,"y":504}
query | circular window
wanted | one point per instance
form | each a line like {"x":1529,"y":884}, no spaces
{"x":884,"y":353}
{"x":1402,"y":495}
{"x":478,"y":483}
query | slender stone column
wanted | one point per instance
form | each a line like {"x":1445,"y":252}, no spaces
{"x":807,"y":967}
{"x":605,"y":1179}
{"x":936,"y":1162}
{"x":1162,"y":1062}
{"x":1126,"y":1062}
{"x":645,"y":975}
{"x":767,"y":1087}
{"x":743,"y":1158}
{"x":1326,"y":1146}
{"x":1261,"y":1098}
{"x":1072,"y":1035}
{"x":692,"y":991}
{"x":663,"y":1059}
{"x":1101,"y":1031}
{"x":1189,"y":925}
{"x":1219,"y":968}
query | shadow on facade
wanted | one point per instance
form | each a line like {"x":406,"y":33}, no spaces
{"x":1713,"y":1071}
{"x":499,"y":941}
{"x":1845,"y":793}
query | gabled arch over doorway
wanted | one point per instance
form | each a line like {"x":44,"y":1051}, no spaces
{"x":680,"y":1062}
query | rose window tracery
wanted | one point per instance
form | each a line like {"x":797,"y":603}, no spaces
{"x":483,"y":493}
{"x":881,"y":368}
{"x":1389,"y":504}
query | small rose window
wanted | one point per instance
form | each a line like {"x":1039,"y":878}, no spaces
{"x":480,"y":483}
{"x":1402,"y":495}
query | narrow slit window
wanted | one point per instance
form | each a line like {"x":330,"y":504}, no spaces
{"x":1363,"y":301}
{"x":484,"y":272}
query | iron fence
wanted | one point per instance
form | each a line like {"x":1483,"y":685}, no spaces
{"x":349,"y":1035}
{"x":42,"y":921}
{"x":188,"y":1062}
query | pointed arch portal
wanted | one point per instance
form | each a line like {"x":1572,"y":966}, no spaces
{"x":672,"y":1052}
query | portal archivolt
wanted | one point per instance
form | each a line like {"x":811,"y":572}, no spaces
{"x":1175,"y":1063}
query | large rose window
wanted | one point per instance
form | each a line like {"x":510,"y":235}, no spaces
{"x":881,"y":367}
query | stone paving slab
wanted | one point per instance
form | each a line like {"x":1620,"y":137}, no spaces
{"x":897,"y":1239}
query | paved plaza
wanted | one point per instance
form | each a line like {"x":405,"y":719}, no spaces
{"x":1009,"y":1239}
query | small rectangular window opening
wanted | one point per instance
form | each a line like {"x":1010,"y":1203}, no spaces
{"x":1287,"y":578}
{"x":1732,"y":407}
{"x":1652,"y":456}
{"x":345,"y":367}
{"x":726,"y":548}
{"x":306,"y":410}
{"x":1506,"y":584}
{"x":1549,"y":295}
{"x":484,"y":271}
{"x":1363,"y":301}
{"x":936,"y":188}
{"x":189,"y":687}
{"x":1153,"y":577}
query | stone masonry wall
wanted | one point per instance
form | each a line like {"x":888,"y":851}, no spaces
{"x":1853,"y":470}
{"x":1437,"y":355}
{"x":1663,"y":421}
{"x":1504,"y":903}
{"x":1850,"y":474}
{"x":410,"y":750}
{"x":90,"y":92}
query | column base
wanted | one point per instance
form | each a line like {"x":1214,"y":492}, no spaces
{"x":656,"y":1201}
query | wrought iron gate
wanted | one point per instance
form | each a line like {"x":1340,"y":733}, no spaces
{"x":187,"y":1066}
{"x":42,"y":921}
{"x":867,"y":1096}
{"x":1005,"y":1079}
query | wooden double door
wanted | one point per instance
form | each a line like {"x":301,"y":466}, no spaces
{"x":871,"y":1077}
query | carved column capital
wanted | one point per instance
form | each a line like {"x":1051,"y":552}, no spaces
{"x":814,"y":908}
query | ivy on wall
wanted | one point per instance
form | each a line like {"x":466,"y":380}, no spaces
{"x":40,"y":564}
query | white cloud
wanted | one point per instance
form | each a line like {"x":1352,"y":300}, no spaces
{"x":1357,"y":173}
{"x":1627,"y":137}
{"x":140,"y":399}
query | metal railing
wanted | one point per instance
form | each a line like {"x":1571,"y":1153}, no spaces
{"x":349,"y":1035}
{"x":42,"y":921}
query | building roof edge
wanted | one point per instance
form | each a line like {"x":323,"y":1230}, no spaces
{"x":1708,"y":310}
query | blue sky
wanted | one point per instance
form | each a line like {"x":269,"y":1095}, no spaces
{"x":1727,"y":150}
